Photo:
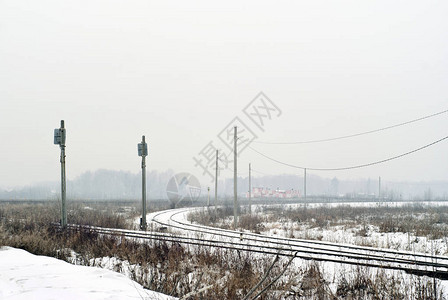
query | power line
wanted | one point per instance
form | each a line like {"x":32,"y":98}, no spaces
{"x":226,"y":167}
{"x":351,"y":167}
{"x":356,"y":134}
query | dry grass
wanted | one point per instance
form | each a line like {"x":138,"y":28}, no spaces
{"x":178,"y":270}
{"x":417,"y":219}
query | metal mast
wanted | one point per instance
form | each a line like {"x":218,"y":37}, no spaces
{"x":59,"y":139}
{"x":143,"y":152}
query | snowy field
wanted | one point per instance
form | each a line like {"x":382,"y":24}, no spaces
{"x":359,"y":234}
{"x":371,"y":235}
{"x":349,"y":235}
{"x":27,"y":276}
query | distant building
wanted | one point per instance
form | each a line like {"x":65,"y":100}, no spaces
{"x":260,"y":192}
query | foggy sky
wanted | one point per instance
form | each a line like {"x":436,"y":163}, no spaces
{"x":179,"y":71}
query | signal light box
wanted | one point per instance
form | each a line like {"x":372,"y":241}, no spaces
{"x":142,"y":149}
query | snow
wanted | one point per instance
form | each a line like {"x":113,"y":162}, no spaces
{"x":27,"y":276}
{"x":336,"y":234}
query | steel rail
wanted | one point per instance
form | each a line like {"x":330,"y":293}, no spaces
{"x":270,"y":250}
{"x":338,"y":248}
{"x":182,"y":239}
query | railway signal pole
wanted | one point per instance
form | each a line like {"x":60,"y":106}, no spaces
{"x":143,"y":152}
{"x":59,"y":139}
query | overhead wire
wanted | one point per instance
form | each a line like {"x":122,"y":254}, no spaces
{"x":349,"y":167}
{"x":344,"y":137}
{"x":226,"y":167}
{"x":353,"y":135}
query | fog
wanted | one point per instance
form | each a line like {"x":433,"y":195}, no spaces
{"x":118,"y":185}
{"x":180,"y":72}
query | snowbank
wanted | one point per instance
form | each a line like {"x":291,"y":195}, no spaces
{"x":27,"y":276}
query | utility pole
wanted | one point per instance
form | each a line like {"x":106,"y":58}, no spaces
{"x":235,"y":165}
{"x":143,"y":152}
{"x":59,"y":139}
{"x":216,"y":180}
{"x":208,"y":198}
{"x":250,"y":192}
{"x":304,"y":184}
{"x":379,"y":187}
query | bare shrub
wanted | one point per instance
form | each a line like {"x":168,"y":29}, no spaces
{"x":358,"y":287}
{"x":309,"y":283}
{"x":178,"y":270}
{"x":252,"y":223}
{"x":211,"y":216}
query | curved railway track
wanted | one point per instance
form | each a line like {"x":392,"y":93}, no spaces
{"x":198,"y":235}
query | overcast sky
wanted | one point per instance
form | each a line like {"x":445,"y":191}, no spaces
{"x":180,"y":71}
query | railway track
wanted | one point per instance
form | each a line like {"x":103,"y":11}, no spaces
{"x":415,"y":263}
{"x":203,"y":236}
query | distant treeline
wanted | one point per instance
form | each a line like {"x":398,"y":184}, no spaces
{"x":97,"y":185}
{"x":120,"y":185}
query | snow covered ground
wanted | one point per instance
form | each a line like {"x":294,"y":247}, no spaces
{"x":27,"y":276}
{"x":333,"y":272}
